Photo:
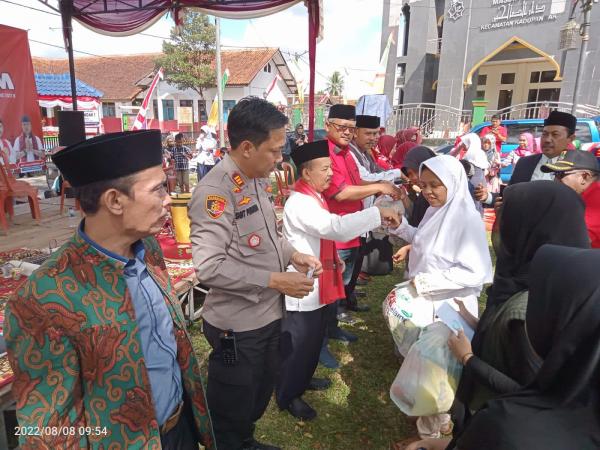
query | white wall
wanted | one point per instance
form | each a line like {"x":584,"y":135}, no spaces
{"x":165,"y":91}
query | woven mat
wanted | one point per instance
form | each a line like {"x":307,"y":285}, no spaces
{"x":7,"y":287}
{"x":6,"y":373}
{"x":18,"y":254}
{"x":179,"y":270}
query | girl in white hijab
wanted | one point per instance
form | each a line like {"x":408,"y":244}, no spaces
{"x":449,"y":255}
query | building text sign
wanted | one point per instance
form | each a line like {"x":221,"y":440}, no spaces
{"x":511,"y":13}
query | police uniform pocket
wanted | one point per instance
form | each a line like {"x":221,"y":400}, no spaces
{"x":252,"y":232}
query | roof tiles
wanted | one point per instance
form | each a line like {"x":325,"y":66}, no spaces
{"x":60,"y":84}
{"x":117,"y":76}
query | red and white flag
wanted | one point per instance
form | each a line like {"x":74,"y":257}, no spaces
{"x":140,"y":120}
{"x":272,"y":85}
{"x":323,"y":98}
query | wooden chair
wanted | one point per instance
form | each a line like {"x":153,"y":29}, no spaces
{"x":16,"y":188}
{"x":66,"y":185}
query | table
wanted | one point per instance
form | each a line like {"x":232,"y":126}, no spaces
{"x":187,"y":287}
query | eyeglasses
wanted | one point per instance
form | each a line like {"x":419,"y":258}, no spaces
{"x":561,"y":175}
{"x":342,"y":128}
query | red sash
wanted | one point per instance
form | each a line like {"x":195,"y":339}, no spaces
{"x":331,"y":284}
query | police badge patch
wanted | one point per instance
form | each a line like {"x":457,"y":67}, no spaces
{"x":215,"y":206}
{"x":254,"y":241}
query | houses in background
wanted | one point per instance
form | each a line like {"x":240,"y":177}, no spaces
{"x":124,"y":79}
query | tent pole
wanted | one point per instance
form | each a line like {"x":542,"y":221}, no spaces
{"x":66,"y":12}
{"x":219,"y":83}
{"x":313,"y":31}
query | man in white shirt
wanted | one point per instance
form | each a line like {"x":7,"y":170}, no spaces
{"x":558,"y":133}
{"x":205,"y":148}
{"x":311,"y":228}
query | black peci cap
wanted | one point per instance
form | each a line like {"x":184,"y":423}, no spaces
{"x":344,"y":112}
{"x":109,"y":156}
{"x":367,"y":122}
{"x":564,"y":119}
{"x":310,"y":151}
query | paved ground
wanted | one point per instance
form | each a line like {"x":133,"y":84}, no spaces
{"x":52,"y":229}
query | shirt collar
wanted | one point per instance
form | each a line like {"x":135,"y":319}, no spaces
{"x":138,"y":248}
{"x":335,"y":148}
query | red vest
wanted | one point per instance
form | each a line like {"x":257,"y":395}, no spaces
{"x":345,"y":173}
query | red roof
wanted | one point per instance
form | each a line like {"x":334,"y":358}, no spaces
{"x":117,"y":75}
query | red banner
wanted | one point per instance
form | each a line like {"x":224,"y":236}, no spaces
{"x":21,"y":126}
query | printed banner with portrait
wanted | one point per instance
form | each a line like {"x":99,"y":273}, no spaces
{"x":21,"y":143}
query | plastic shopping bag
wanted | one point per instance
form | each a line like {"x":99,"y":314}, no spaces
{"x":406,"y":313}
{"x":427,"y":380}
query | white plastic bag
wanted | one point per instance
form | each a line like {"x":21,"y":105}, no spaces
{"x":406,"y":313}
{"x":427,"y":380}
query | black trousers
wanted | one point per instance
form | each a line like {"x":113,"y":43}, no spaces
{"x":350,"y":287}
{"x":238,"y":395}
{"x":182,"y":436}
{"x":302,"y":334}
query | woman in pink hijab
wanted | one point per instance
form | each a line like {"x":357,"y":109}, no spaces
{"x":527,"y":146}
{"x":405,"y":140}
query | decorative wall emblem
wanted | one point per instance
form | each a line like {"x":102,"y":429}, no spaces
{"x":456,"y":10}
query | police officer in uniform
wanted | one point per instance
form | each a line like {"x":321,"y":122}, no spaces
{"x":240,"y":255}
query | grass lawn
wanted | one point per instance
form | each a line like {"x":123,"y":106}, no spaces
{"x":356,"y":413}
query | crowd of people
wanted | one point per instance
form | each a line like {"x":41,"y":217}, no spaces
{"x":178,"y":158}
{"x":97,"y":339}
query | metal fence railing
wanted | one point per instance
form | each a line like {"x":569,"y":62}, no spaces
{"x":446,"y":122}
{"x":435,"y":121}
{"x":540,"y":110}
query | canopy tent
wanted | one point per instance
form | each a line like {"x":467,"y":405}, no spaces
{"x":127,"y":17}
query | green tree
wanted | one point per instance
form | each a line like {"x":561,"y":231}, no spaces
{"x":335,"y":84}
{"x":187,"y":58}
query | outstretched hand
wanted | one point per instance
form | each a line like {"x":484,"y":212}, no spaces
{"x":401,"y":254}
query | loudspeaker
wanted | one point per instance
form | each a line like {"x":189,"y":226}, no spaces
{"x":71,"y":127}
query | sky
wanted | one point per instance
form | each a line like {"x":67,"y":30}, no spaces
{"x":351,"y":44}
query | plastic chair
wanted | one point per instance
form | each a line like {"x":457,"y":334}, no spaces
{"x":66,"y":185}
{"x":15,"y":188}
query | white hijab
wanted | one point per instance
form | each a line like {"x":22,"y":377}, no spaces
{"x":475,"y":154}
{"x":452,"y":235}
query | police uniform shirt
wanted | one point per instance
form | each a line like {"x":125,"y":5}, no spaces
{"x":236,"y":247}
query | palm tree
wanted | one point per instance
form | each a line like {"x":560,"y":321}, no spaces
{"x":335,"y":84}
